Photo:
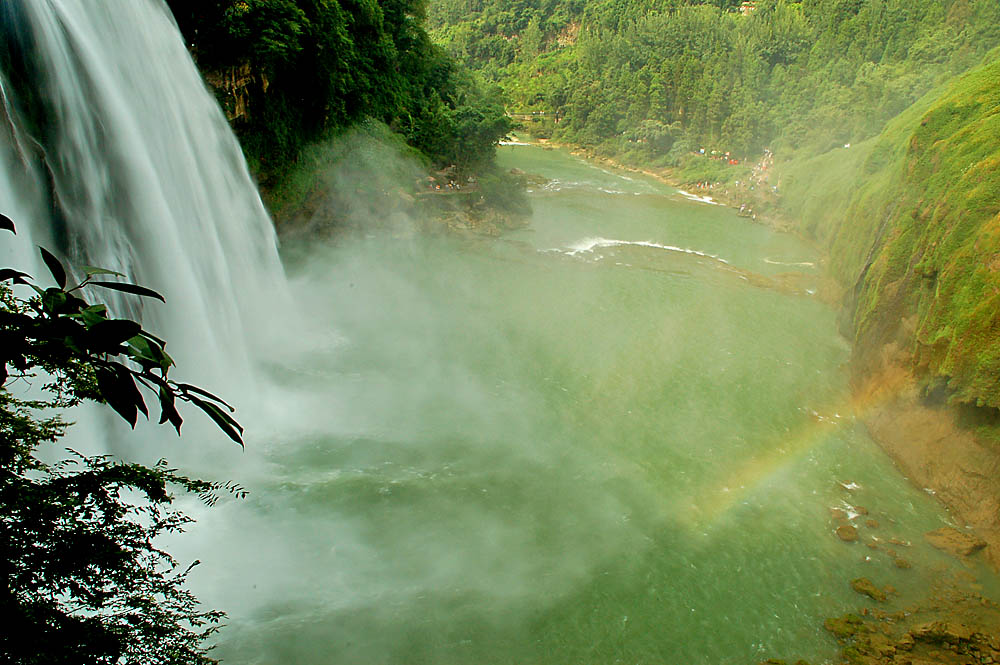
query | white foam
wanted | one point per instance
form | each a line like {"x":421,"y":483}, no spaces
{"x":513,"y":143}
{"x":590,"y":244}
{"x":851,"y":511}
{"x":808,"y":264}
{"x":701,"y":199}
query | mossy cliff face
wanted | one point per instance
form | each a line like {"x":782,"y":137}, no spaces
{"x":912,"y":221}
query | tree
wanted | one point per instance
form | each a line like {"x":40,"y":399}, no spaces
{"x":84,"y":579}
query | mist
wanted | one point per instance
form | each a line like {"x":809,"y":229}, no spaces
{"x":480,"y":450}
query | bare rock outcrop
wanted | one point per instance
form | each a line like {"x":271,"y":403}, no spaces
{"x":954,"y":541}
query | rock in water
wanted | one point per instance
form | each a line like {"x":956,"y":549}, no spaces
{"x":847,"y":533}
{"x":942,"y":631}
{"x":954,"y":541}
{"x":845,"y":626}
{"x":866,"y":587}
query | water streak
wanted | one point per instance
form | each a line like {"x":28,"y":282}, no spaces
{"x":588,"y":245}
{"x":114,"y":153}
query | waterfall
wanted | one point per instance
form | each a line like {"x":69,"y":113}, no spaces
{"x":114,"y":153}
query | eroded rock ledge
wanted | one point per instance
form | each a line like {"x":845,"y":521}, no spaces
{"x":935,"y":453}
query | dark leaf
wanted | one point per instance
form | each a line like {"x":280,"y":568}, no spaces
{"x":15,"y":276}
{"x":168,"y":412}
{"x":113,"y":393}
{"x":153,"y":338}
{"x":94,"y":314}
{"x":131,"y":288}
{"x":73,"y":304}
{"x":53,"y":300}
{"x":55,"y":267}
{"x":232,"y":429}
{"x":148,"y":353}
{"x":91,"y":270}
{"x":187,"y":387}
{"x":127,"y":383}
{"x":108,"y":335}
{"x":6,"y":223}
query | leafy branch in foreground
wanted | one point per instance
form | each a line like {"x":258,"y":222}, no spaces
{"x":59,"y":329}
{"x":84,"y":580}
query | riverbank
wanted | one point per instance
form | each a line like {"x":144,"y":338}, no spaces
{"x":931,"y":443}
{"x":367,"y":180}
{"x":937,"y":453}
{"x":931,"y":447}
{"x":756,"y":206}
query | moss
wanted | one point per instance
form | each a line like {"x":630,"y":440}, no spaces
{"x":912,"y":221}
{"x":846,"y":626}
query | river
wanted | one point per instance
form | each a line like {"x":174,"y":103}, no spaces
{"x":601,"y":439}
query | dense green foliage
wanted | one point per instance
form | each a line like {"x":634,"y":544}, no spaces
{"x":651,"y":81}
{"x":301,"y":70}
{"x":913,"y":221}
{"x":84,"y":581}
{"x":909,"y":212}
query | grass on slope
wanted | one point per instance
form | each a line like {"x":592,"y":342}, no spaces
{"x":912,"y":220}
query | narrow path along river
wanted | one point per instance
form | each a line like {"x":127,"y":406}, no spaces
{"x":607,"y":438}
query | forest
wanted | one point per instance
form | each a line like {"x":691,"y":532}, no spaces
{"x":310,"y":69}
{"x":655,"y":81}
{"x":833,"y":90}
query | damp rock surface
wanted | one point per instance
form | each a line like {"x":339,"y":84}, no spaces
{"x":955,"y":542}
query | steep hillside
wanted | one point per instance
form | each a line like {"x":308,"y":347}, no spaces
{"x":649,"y":82}
{"x":912,"y":220}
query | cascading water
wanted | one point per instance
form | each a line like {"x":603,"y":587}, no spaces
{"x":113,"y":152}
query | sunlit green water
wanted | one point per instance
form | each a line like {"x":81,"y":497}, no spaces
{"x":521,"y":451}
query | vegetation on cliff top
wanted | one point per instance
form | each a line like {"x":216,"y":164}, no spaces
{"x":292,"y":72}
{"x":651,"y":81}
{"x":909,"y":211}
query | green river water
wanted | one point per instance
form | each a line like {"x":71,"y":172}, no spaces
{"x":597,"y":440}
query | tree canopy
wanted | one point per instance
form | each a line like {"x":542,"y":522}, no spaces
{"x":315,"y":67}
{"x":636,"y":77}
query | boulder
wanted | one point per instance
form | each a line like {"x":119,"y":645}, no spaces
{"x":954,"y":541}
{"x":866,"y":587}
{"x":847,"y":533}
{"x":845,"y":626}
{"x":942,"y":631}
